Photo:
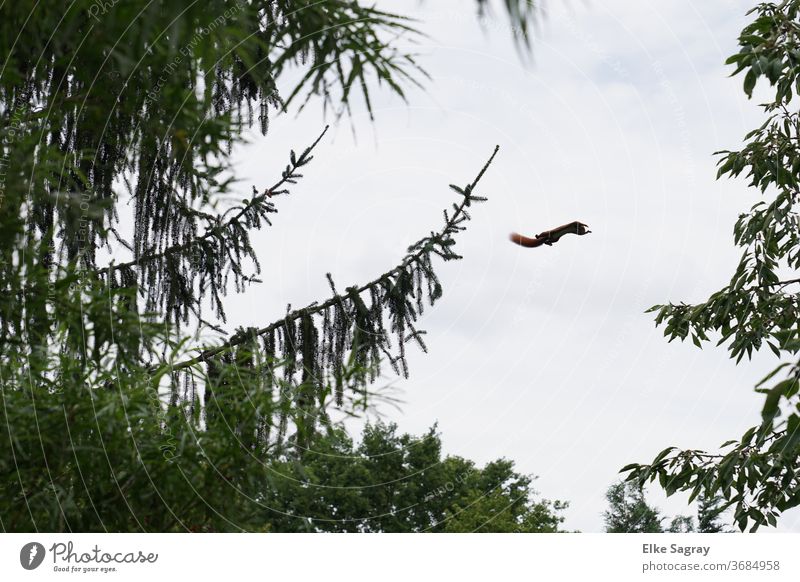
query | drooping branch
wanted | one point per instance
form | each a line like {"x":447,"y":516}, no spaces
{"x":222,"y":225}
{"x":168,"y":279}
{"x":349,"y":324}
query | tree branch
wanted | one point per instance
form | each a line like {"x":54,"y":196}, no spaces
{"x":315,"y":308}
{"x":212,"y":231}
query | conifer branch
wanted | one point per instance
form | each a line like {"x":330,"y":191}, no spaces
{"x":360,"y":328}
{"x":288,"y":176}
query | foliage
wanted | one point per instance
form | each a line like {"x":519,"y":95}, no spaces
{"x":133,"y":464}
{"x":521,"y":13}
{"x":88,"y":449}
{"x":400,"y":483}
{"x":757,"y":474}
{"x":681,"y":524}
{"x":628,"y":511}
{"x":104,"y":453}
{"x":709,"y":510}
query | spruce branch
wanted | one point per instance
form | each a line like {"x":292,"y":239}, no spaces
{"x":176,"y":280}
{"x":349,"y":324}
{"x":288,"y":176}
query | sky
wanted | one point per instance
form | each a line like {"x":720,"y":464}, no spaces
{"x":544,"y":356}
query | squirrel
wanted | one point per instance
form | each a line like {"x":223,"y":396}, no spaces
{"x":549,"y":237}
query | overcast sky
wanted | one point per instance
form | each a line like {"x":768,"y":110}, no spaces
{"x":544,"y":356}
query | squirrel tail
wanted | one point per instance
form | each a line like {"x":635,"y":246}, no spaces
{"x":524,"y":241}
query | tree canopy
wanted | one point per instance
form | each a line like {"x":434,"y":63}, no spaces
{"x":629,"y":512}
{"x":392,"y":482}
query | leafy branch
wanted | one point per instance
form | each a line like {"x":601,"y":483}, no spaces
{"x":758,"y":474}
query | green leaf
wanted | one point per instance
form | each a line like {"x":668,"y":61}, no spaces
{"x":750,"y":82}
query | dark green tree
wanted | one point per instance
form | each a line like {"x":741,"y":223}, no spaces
{"x":628,"y":511}
{"x":757,"y":473}
{"x":115,"y":415}
{"x":709,"y":512}
{"x":392,"y":482}
{"x":681,"y":524}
